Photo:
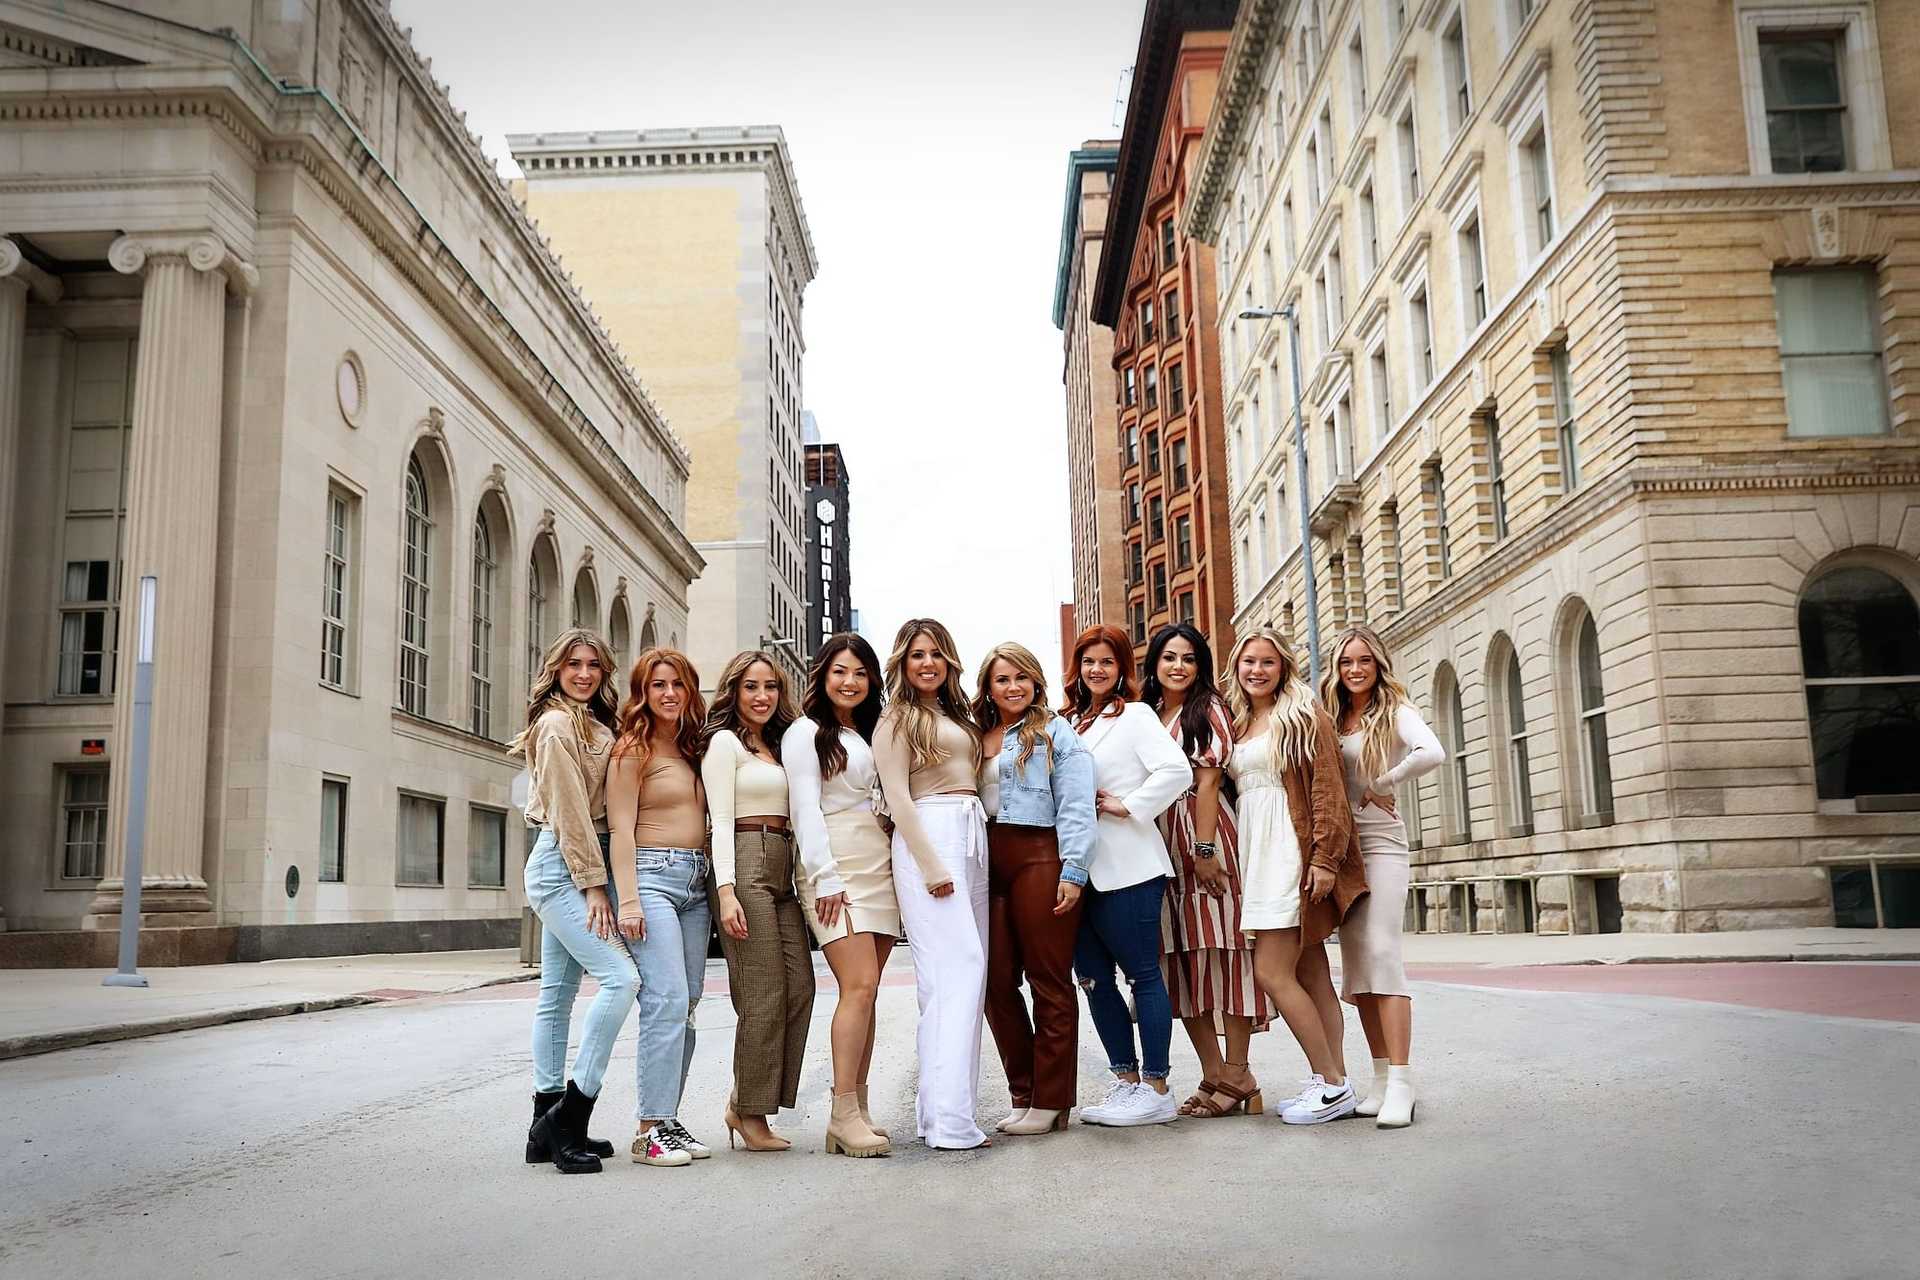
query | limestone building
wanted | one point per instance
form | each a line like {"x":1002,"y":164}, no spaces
{"x":273,"y":331}
{"x":1608,"y":316}
{"x":1093,"y":436}
{"x":1155,"y":290}
{"x":829,"y":552}
{"x":694,"y":247}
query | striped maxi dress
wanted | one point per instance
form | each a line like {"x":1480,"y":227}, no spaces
{"x":1203,"y":955}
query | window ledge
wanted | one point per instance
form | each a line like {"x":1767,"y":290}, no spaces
{"x":340,"y":689}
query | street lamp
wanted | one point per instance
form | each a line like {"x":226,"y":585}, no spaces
{"x":1292,"y":316}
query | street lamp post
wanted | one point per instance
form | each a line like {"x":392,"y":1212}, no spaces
{"x":1300,"y":461}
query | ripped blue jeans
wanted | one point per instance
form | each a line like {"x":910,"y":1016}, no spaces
{"x":1121,"y":929}
{"x":673,"y":969}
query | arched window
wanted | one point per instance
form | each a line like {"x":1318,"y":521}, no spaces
{"x":1509,"y":731}
{"x":480,"y":681}
{"x":586,"y":601}
{"x":416,"y":568}
{"x":1455,"y":795}
{"x":543,"y":573}
{"x":619,"y":638}
{"x":1860,"y":646}
{"x":1589,"y":775}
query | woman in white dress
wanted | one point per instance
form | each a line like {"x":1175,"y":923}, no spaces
{"x":1299,"y":859}
{"x":846,"y":866}
{"x":1383,"y":742}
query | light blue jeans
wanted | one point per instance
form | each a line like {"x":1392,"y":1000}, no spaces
{"x":673,"y":969}
{"x":569,"y":948}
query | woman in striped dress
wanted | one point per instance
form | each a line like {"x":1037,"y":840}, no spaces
{"x":1206,"y":959}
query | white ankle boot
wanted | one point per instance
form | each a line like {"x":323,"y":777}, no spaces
{"x":1036,"y":1120}
{"x":1396,"y":1110}
{"x":1012,"y":1117}
{"x":1370,"y":1105}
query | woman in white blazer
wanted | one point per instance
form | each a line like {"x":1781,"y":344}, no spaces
{"x":1139,"y":771}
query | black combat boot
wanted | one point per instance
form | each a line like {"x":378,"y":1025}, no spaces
{"x":562,"y":1132}
{"x":537,"y":1153}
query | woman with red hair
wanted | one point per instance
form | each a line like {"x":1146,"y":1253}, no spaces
{"x":1138,"y":770}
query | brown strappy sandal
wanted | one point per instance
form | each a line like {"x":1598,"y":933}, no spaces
{"x":1202,"y":1097}
{"x":1248,"y":1101}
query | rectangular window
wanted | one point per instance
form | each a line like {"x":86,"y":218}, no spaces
{"x":1176,"y":392}
{"x":1329,"y":147}
{"x":1313,"y":176}
{"x":420,"y":851}
{"x":83,"y":824}
{"x":96,"y":512}
{"x":1422,"y":341}
{"x":1453,"y":58}
{"x":336,"y":585}
{"x":1336,"y":292}
{"x":1369,"y":232}
{"x":1442,"y":531}
{"x":1133,"y":505}
{"x":1185,"y":610}
{"x":1182,"y":541}
{"x":1166,"y":244}
{"x":333,"y":830}
{"x":1171,"y":305}
{"x":486,"y":848}
{"x":1180,"y":477}
{"x":1801,"y":78}
{"x":1409,"y":148}
{"x":1152,"y":374}
{"x":1564,"y":418}
{"x":1147,"y":331}
{"x":1156,"y":520}
{"x":1342,"y":424}
{"x":1382,"y":394}
{"x":1133,"y":446}
{"x":1245,"y":567}
{"x":1128,"y":378}
{"x":1496,"y":475}
{"x":1830,"y":352}
{"x":1357,"y":74}
{"x":1268,"y":282}
{"x":1473,"y":273}
{"x":1153,"y":453}
{"x":1139,"y":622}
{"x":1160,"y":588}
{"x":1136,"y":564}
{"x":1286,"y":232}
{"x":1539,"y":183}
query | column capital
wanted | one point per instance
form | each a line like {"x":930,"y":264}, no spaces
{"x":14,"y":266}
{"x":202,"y":250}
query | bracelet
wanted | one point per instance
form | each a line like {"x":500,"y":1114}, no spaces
{"x":1204,"y":849}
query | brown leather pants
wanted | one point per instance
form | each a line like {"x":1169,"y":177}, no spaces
{"x":1025,"y":939}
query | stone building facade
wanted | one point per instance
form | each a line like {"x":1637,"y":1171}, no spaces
{"x":1094,"y":449}
{"x":1156,"y":290}
{"x":829,"y":538}
{"x":694,"y":247}
{"x":273,"y":332}
{"x":1609,"y":325}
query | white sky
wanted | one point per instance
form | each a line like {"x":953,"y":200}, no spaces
{"x":930,"y":145}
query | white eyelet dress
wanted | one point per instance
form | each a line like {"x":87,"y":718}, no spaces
{"x":1269,"y":849}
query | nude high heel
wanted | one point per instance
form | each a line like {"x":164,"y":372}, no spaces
{"x":1038,"y":1120}
{"x":848,"y":1135}
{"x":732,"y":1120}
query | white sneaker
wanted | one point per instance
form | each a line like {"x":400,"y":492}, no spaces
{"x":1145,"y":1105}
{"x":1321,"y":1103}
{"x":1117,"y":1092}
{"x":659,"y":1147}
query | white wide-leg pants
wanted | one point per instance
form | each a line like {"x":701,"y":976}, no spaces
{"x":949,"y":940}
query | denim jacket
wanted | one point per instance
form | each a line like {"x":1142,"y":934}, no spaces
{"x":1033,"y":796}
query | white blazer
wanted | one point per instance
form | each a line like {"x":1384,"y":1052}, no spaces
{"x":1136,"y":759}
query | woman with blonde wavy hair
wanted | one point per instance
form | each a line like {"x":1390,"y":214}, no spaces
{"x":1300,"y":861}
{"x":762,"y":931}
{"x":568,"y":741}
{"x":928,"y":755}
{"x":1036,"y":786}
{"x":1383,"y":742}
{"x":657,"y":813}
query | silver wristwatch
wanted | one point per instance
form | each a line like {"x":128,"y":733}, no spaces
{"x":1204,"y":849}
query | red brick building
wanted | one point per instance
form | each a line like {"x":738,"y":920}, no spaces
{"x":1156,"y":290}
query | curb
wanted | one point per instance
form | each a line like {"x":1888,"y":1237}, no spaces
{"x":1889,"y":957}
{"x":53,"y":1041}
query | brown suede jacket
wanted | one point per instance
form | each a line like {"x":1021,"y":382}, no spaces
{"x":1323,"y":823}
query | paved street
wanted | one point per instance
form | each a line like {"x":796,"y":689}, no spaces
{"x":1592,"y":1131}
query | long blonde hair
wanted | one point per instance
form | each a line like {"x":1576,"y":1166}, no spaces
{"x":1032,"y":725}
{"x":1379,"y":738}
{"x":724,"y":714}
{"x":546,"y":695}
{"x":903,"y":700}
{"x":1293,"y":716}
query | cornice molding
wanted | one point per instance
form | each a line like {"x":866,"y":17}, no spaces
{"x":1461,"y":184}
{"x":1359,"y":156}
{"x":1525,"y":81}
{"x":1256,"y":32}
{"x":202,"y":250}
{"x":1395,"y":86}
{"x":1411,"y":257}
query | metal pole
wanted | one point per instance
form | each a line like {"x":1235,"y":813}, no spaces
{"x":128,"y":974}
{"x":1306,"y":505}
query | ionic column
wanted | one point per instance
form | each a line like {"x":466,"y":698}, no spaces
{"x":172,"y":525}
{"x":18,"y":278}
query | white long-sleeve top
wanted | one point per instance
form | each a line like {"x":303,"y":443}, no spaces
{"x":1416,"y":754}
{"x":810,"y":798}
{"x":1136,"y":759}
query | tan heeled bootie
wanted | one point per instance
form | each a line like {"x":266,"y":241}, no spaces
{"x":848,"y":1134}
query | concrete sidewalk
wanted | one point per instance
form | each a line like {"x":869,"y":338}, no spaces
{"x":42,"y":1010}
{"x":46,"y":1009}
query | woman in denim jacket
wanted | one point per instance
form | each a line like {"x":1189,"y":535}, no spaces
{"x":1036,"y":784}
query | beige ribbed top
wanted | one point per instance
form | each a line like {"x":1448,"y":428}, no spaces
{"x":673,"y":806}
{"x":903,"y":784}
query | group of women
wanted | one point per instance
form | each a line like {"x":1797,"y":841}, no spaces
{"x":1197,"y":841}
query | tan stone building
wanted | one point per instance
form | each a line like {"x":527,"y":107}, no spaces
{"x":1609,"y":321}
{"x":694,"y":248}
{"x":273,"y":331}
{"x":1093,"y":412}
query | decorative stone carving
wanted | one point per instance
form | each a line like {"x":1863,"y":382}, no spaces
{"x":436,"y":423}
{"x":497,"y":478}
{"x":14,"y":266}
{"x":203,"y":251}
{"x":546,"y":521}
{"x":1826,"y":231}
{"x":586,"y":558}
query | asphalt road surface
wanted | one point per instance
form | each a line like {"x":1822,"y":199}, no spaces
{"x":1628,"y":1126}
